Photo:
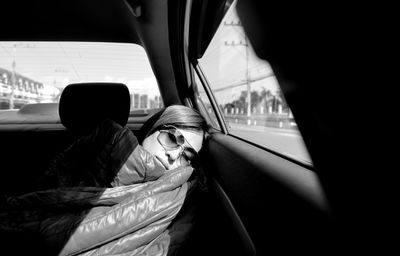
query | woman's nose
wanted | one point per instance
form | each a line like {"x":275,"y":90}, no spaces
{"x":173,"y":154}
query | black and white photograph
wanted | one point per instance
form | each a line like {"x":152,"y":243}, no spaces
{"x":198,"y":127}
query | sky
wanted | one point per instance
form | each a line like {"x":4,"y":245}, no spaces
{"x":225,"y":62}
{"x":60,"y":63}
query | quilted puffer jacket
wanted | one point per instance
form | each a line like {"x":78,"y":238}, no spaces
{"x":105,"y":195}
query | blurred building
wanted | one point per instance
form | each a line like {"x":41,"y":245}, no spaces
{"x":17,"y":90}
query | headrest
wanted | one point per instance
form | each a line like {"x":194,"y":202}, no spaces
{"x":84,"y":105}
{"x":146,"y":127}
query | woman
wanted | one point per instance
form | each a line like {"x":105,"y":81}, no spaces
{"x":111,"y":155}
{"x":176,"y":136}
{"x":110,"y":195}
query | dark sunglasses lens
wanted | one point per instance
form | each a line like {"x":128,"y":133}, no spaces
{"x":177,"y":136}
{"x":180,"y":140}
{"x":168,"y":139}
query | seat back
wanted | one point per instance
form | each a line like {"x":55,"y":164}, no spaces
{"x":83,"y":105}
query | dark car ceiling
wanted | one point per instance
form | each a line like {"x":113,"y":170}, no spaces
{"x":97,"y":21}
{"x":74,"y":20}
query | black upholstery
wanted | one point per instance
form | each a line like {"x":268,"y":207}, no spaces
{"x":148,"y":125}
{"x":83,"y":105}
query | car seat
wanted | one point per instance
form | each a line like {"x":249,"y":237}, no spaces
{"x":83,"y":105}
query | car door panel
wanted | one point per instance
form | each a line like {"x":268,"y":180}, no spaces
{"x":279,"y":202}
{"x":244,"y":242}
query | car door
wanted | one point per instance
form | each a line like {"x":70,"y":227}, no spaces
{"x":265,"y":196}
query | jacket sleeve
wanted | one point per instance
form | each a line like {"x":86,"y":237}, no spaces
{"x":107,"y":220}
{"x":142,"y":215}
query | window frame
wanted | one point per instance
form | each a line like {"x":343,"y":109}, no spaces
{"x":224,"y":127}
{"x":204,"y":82}
{"x":220,"y":118}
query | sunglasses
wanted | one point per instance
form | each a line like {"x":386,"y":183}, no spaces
{"x":171,"y":138}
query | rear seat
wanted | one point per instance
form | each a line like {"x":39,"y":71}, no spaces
{"x":27,"y":148}
{"x":25,"y":154}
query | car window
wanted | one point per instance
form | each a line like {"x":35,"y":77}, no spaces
{"x":247,"y":92}
{"x":204,"y":101}
{"x":35,"y":73}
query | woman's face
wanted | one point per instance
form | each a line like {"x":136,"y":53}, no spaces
{"x":172,"y":155}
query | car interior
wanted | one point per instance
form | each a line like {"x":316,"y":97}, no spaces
{"x":258,"y":201}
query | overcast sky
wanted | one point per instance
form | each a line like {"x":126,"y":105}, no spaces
{"x":225,"y":63}
{"x":60,"y":63}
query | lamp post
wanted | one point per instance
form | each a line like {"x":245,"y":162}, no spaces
{"x":13,"y":78}
{"x":12,"y":85}
{"x":245,"y":44}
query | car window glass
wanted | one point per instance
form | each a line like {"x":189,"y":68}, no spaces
{"x":36,"y":72}
{"x":248,"y":92}
{"x":205,"y":104}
